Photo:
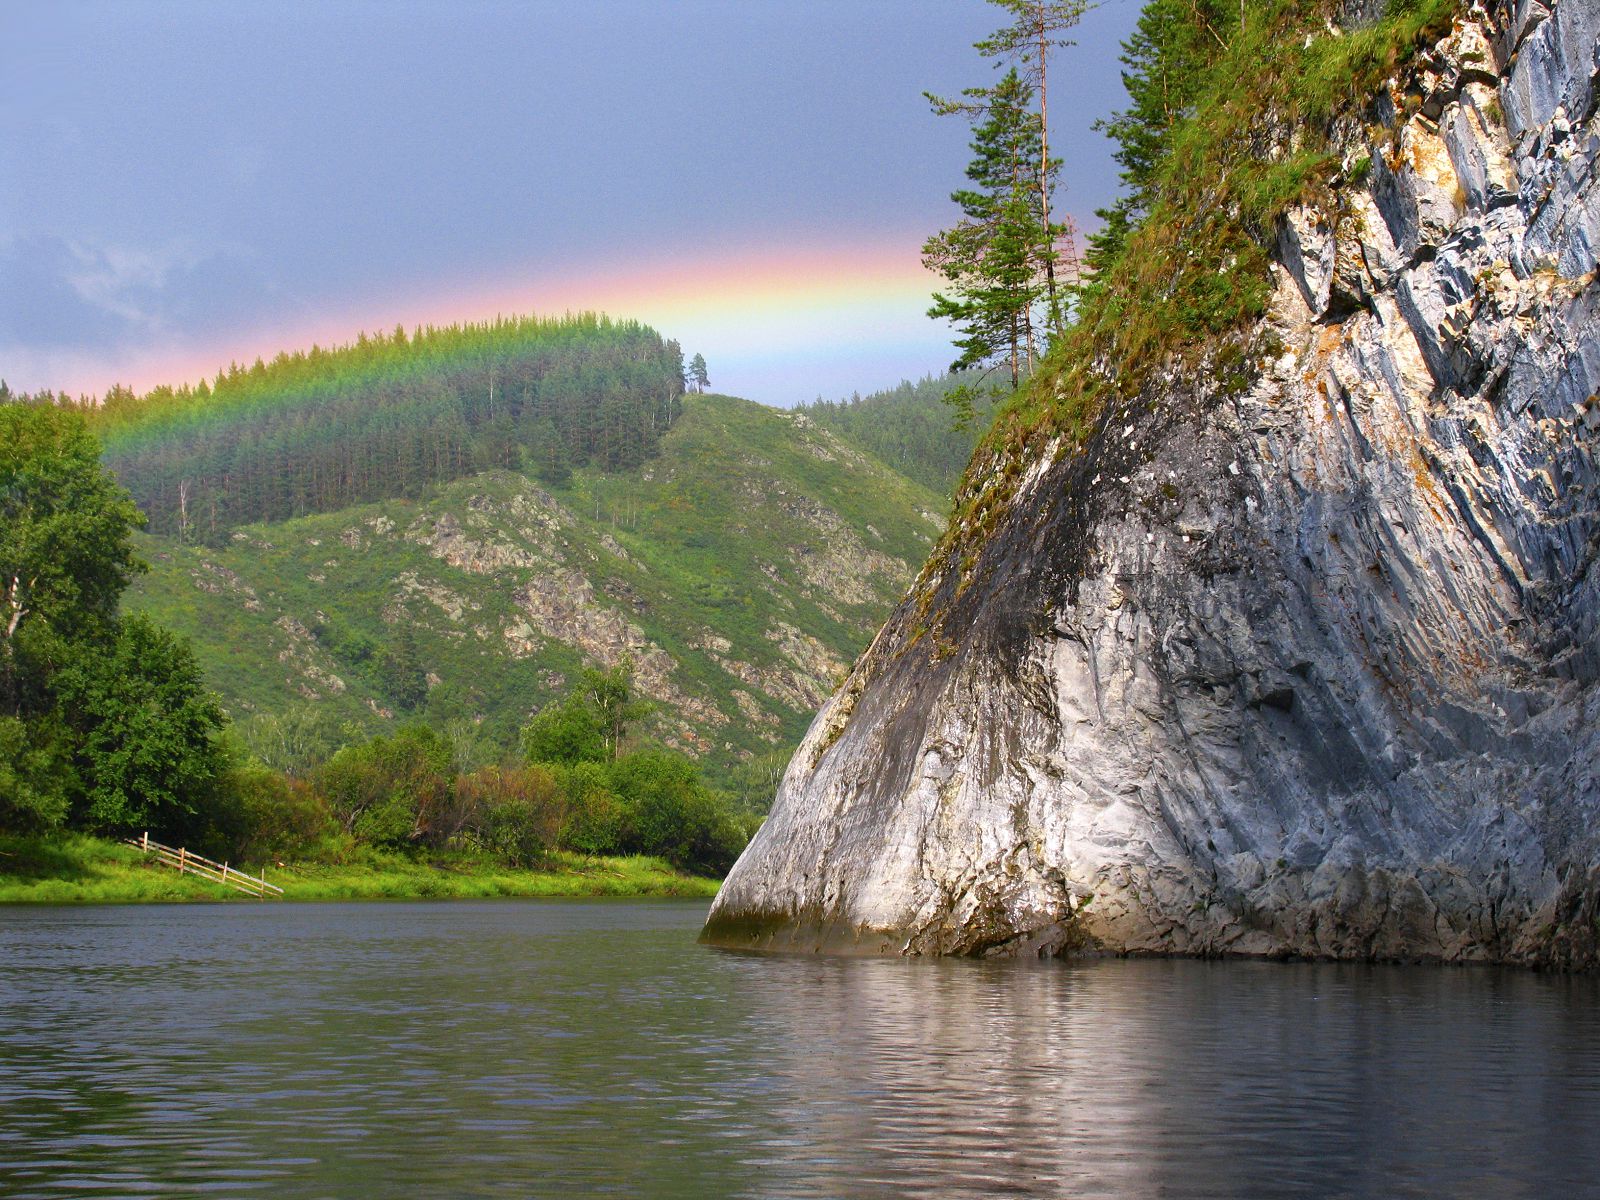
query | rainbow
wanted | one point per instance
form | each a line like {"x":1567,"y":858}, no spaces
{"x":777,"y":322}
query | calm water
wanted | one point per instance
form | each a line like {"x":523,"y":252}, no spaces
{"x":537,"y":1048}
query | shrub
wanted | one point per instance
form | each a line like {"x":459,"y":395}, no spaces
{"x":265,"y":815}
{"x":595,"y":816}
{"x":392,"y":791}
{"x":671,"y":813}
{"x":568,"y":733}
{"x":32,"y":787}
{"x":145,"y":727}
{"x":518,"y":813}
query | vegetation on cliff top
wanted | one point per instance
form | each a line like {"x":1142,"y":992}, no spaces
{"x":1229,"y":123}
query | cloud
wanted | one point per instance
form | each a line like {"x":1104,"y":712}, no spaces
{"x":63,"y":295}
{"x":43,"y":307}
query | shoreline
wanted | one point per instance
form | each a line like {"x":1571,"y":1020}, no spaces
{"x":76,"y":869}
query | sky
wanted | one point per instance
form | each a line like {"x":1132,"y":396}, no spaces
{"x":183,"y":185}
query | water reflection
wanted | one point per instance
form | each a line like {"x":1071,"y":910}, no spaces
{"x":522,"y":1049}
{"x":1191,"y":1079}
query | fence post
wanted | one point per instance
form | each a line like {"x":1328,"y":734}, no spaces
{"x":183,"y":857}
{"x":224,"y":874}
{"x":147,"y":841}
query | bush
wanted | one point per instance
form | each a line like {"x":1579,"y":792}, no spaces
{"x":146,"y":753}
{"x":392,"y":791}
{"x":263,"y":815}
{"x":519,"y":813}
{"x":566,"y":733}
{"x":595,"y":816}
{"x":671,"y":813}
{"x":32,"y":787}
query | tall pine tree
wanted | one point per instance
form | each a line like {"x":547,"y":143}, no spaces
{"x":1036,"y":28}
{"x":991,"y":257}
{"x":1166,"y":58}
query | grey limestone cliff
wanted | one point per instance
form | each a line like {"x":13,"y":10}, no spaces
{"x":1304,"y":665}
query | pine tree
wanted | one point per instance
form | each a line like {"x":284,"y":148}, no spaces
{"x":400,"y":672}
{"x":991,"y":256}
{"x":1036,"y":29}
{"x":1166,"y":58}
{"x":697,"y":373}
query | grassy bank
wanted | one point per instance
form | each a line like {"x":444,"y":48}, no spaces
{"x":75,"y":869}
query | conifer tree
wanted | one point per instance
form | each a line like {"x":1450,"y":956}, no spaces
{"x":1035,"y":30}
{"x":990,"y":257}
{"x":1166,"y":58}
{"x":697,"y":373}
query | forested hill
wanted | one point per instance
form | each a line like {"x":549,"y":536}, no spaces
{"x":909,"y":427}
{"x":389,"y":416}
{"x":740,"y":571}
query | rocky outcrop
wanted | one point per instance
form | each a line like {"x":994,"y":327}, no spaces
{"x":1295,"y":660}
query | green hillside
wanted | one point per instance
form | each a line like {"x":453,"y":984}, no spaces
{"x":911,"y":427}
{"x":741,"y":571}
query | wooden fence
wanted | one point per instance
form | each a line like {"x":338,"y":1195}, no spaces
{"x":195,"y":864}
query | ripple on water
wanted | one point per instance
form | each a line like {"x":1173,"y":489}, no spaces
{"x":515,"y":1049}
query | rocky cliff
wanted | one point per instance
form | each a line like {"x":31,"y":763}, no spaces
{"x":1293,"y":658}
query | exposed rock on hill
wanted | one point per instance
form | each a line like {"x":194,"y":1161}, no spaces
{"x":740,"y":572}
{"x":1303,"y":663}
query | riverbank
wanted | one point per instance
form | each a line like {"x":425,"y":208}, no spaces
{"x":77,"y":869}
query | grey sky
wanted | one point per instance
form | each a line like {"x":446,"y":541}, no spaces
{"x":185,"y":180}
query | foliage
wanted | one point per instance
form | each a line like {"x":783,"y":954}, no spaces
{"x":519,"y":813}
{"x":566,"y":733}
{"x":719,"y":538}
{"x":105,"y":722}
{"x":390,"y":416}
{"x":652,"y":801}
{"x":615,"y":701}
{"x":400,"y":675}
{"x":262,"y":815}
{"x":671,"y":813}
{"x":992,"y":258}
{"x":754,"y":783}
{"x":909,"y":427}
{"x":294,"y":739}
{"x":1037,"y":27}
{"x":65,"y":550}
{"x":1172,"y":48}
{"x":1001,"y":259}
{"x":595,"y":820}
{"x":145,"y":751}
{"x":391,"y":791}
{"x":1182,"y":263}
{"x":698,"y":376}
{"x":33,"y":777}
{"x":77,"y":869}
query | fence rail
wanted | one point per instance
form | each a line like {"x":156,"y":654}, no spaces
{"x":187,"y":861}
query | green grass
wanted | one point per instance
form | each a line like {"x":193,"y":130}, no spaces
{"x":78,"y":869}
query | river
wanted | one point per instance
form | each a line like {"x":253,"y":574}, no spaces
{"x":537,"y":1048}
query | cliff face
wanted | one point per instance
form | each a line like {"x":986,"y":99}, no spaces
{"x":1296,"y":661}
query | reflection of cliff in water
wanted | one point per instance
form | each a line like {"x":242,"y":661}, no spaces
{"x":1148,"y":1078}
